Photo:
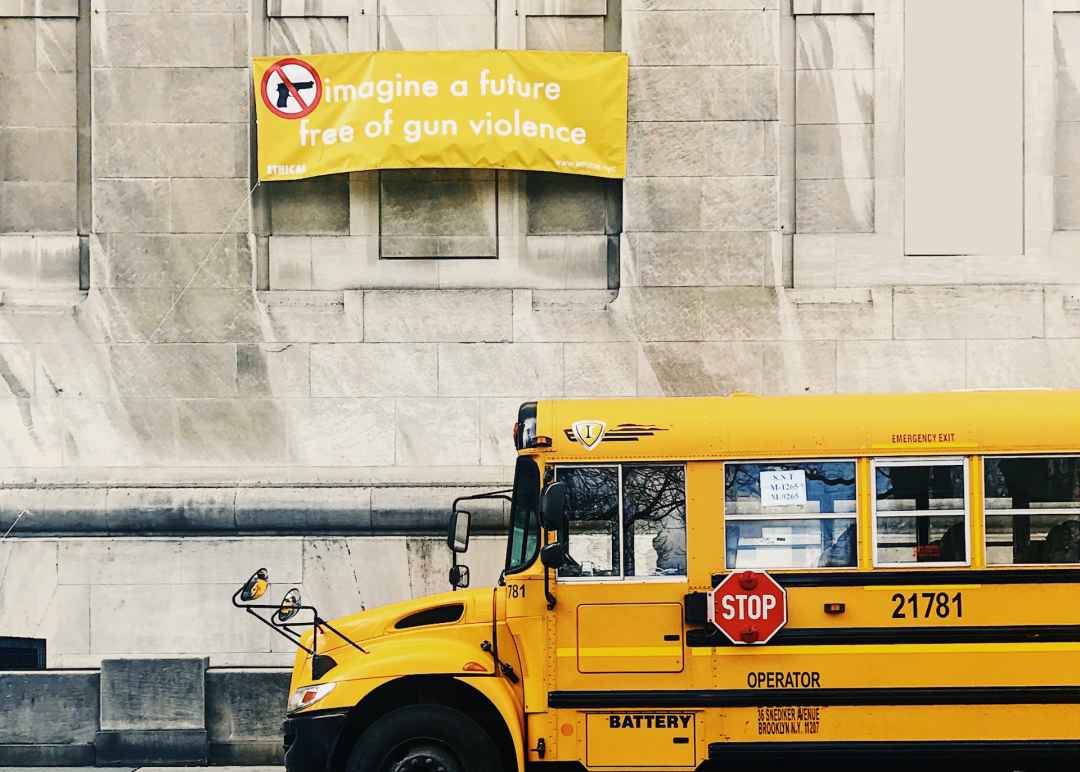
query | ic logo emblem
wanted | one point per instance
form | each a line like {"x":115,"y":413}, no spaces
{"x":589,"y":433}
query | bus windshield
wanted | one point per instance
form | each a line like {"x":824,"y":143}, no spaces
{"x":524,"y":516}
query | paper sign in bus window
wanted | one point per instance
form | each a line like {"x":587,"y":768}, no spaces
{"x":783,"y":488}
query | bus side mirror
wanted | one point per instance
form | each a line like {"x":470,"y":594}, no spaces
{"x":458,"y":537}
{"x":459,"y":577}
{"x":553,"y":507}
{"x":554,"y":555}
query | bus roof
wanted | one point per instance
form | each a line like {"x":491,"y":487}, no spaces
{"x":749,"y":426}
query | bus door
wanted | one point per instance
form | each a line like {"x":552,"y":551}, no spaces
{"x":619,"y":616}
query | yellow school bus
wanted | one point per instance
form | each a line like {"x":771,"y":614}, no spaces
{"x":927,"y":547}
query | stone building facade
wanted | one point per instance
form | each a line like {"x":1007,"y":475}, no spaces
{"x":200,"y":376}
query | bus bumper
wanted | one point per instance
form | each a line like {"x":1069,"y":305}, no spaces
{"x":310,"y":740}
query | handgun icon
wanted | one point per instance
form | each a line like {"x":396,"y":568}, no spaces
{"x":283,"y":92}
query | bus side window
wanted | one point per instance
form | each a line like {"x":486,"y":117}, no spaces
{"x":920,"y":512}
{"x":654,"y":520}
{"x":592,"y":504}
{"x":790,"y":514}
{"x":1032,"y":510}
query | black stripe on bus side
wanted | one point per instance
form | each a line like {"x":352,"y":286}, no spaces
{"x":892,"y":750}
{"x":753,"y":698}
{"x":931,"y":577}
{"x":855,"y":636}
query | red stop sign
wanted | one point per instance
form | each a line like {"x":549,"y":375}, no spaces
{"x":749,"y":607}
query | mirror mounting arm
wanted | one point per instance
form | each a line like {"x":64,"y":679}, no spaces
{"x":551,"y":602}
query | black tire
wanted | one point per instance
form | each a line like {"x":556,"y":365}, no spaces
{"x":424,"y":738}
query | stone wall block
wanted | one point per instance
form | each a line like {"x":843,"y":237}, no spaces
{"x":52,"y":509}
{"x":835,"y":96}
{"x":769,"y":314}
{"x":833,"y":151}
{"x":698,"y":259}
{"x":438,"y":432}
{"x":601,"y":370}
{"x":900,"y":366}
{"x":703,"y":93}
{"x":49,"y":708}
{"x":153,"y":694}
{"x":16,"y":372}
{"x":373,"y":370}
{"x":220,"y":561}
{"x":834,"y":206}
{"x":132,"y":206}
{"x":157,"y":620}
{"x":699,"y":369}
{"x":240,"y":432}
{"x":690,"y":149}
{"x":968,"y":312}
{"x":37,"y":206}
{"x":554,"y":316}
{"x":318,"y":206}
{"x":341,"y":432}
{"x":32,"y":435}
{"x":170,"y":509}
{"x":120,"y":432}
{"x":243,"y":715}
{"x":171,"y":370}
{"x":700,"y":37}
{"x":438,"y":315}
{"x":130,"y":260}
{"x":119,"y":561}
{"x":500,"y":369}
{"x":211,"y":316}
{"x":273,"y":370}
{"x":338,"y":573}
{"x":167,"y":40}
{"x":37,"y":154}
{"x":665,"y":313}
{"x":170,"y":95}
{"x":1033,"y":364}
{"x":209,"y":205}
{"x":835,"y":41}
{"x":317,"y":317}
{"x":566,"y":33}
{"x":304,"y":510}
{"x":799,"y":368}
{"x":427,"y":509}
{"x":34,"y":605}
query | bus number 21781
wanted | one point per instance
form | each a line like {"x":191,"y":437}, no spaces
{"x":928,"y":604}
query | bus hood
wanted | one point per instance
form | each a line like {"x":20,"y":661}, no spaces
{"x":461,"y":607}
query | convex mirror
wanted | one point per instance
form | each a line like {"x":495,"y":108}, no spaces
{"x":553,"y":507}
{"x":255,"y":587}
{"x":290,"y":605}
{"x":554,"y":555}
{"x":459,"y":577}
{"x":460,"y":526}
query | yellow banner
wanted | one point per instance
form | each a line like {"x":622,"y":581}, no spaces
{"x":530,"y":110}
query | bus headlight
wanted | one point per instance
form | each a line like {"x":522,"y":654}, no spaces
{"x":306,"y":696}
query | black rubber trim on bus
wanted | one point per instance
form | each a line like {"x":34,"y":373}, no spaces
{"x":891,"y":750}
{"x":863,"y":636}
{"x":753,"y":698}
{"x":954,"y":576}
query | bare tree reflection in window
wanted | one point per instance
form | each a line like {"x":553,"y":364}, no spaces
{"x":654,"y":503}
{"x":593,"y":508}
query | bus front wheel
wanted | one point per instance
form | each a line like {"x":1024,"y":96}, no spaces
{"x":427,"y":738}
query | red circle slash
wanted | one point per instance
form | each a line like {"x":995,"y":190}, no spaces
{"x":307,"y":108}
